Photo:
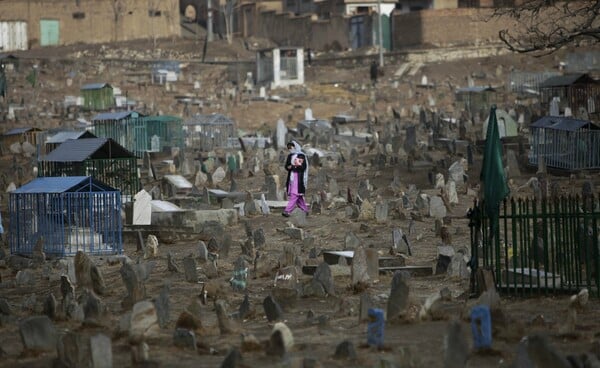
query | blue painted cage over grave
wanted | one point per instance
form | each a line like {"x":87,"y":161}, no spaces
{"x":66,"y":214}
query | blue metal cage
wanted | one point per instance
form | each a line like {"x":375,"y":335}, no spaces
{"x":66,"y":214}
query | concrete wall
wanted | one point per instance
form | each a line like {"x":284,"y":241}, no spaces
{"x":94,"y":21}
{"x":445,"y":28}
{"x":288,"y":30}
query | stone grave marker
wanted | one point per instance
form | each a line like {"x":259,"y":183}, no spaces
{"x":456,"y":347}
{"x":381,"y":212}
{"x":202,"y":251}
{"x":272,"y":309}
{"x":142,"y":208}
{"x":189,"y":269}
{"x":359,"y":270}
{"x":38,"y":333}
{"x":351,"y":241}
{"x":162,"y":305}
{"x":399,"y":295}
{"x":101,"y":351}
{"x":437,"y":208}
{"x":280,"y":134}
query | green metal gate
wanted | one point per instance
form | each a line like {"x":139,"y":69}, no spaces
{"x":49,"y":32}
{"x":540,"y":247}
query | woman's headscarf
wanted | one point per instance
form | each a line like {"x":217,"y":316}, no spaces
{"x":295,"y":151}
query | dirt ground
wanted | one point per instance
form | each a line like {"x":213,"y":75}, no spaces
{"x":328,"y":91}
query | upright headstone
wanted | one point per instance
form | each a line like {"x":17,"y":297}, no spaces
{"x":144,"y":322}
{"x":134,"y":284}
{"x":142,"y":208}
{"x":281,"y":133}
{"x":451,"y":191}
{"x":272,"y":309}
{"x":381,"y":212}
{"x":437,"y":208}
{"x":38,"y":333}
{"x":322,"y":282}
{"x":351,"y":241}
{"x":202,"y":251}
{"x":554,"y":106}
{"x":189,"y":269}
{"x":101,"y":351}
{"x":359,"y":271}
{"x":513,"y":164}
{"x":456,"y":347}
{"x":240,"y":274}
{"x":398,"y":242}
{"x":399,"y":294}
{"x":372,"y":263}
{"x":273,"y":188}
{"x":439,"y":181}
{"x":308,"y":114}
{"x":163,"y":306}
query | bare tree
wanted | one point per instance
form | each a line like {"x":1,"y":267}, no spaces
{"x":227,"y":8}
{"x":544,"y":26}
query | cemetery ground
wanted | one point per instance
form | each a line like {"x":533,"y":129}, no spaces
{"x":319,"y":324}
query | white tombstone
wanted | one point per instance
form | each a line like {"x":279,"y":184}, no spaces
{"x":424,"y":80}
{"x":439,"y":181}
{"x":308,"y":114}
{"x":201,"y":179}
{"x":568,"y":112}
{"x":281,"y":133}
{"x":264,"y":206}
{"x":554,"y":110}
{"x":151,"y":250}
{"x":262,"y":93}
{"x":196,"y":85}
{"x":219,"y":175}
{"x":431,"y":100}
{"x":389,"y":149}
{"x":249,"y":83}
{"x":155,"y":143}
{"x":456,"y":171}
{"x":142,"y":208}
{"x":240,"y":158}
{"x":591,"y":104}
{"x":451,"y":190}
{"x":437,"y":209}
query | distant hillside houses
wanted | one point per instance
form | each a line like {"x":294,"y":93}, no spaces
{"x":32,"y":24}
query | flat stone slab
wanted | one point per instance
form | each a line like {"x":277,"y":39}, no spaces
{"x":271,"y":204}
{"x":332,"y":258}
{"x":530,"y":276}
{"x":412,"y":270}
{"x":385,"y":264}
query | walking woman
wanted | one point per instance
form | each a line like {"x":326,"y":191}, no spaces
{"x":296,"y":165}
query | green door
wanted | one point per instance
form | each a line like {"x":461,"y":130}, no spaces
{"x":386,"y":30}
{"x":49,"y":32}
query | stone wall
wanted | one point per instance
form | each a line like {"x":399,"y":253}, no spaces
{"x":288,"y":30}
{"x":446,"y":28}
{"x":94,"y":21}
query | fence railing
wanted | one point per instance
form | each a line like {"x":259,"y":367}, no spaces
{"x":541,"y":247}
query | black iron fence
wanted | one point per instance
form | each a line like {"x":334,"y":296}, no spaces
{"x":540,"y":247}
